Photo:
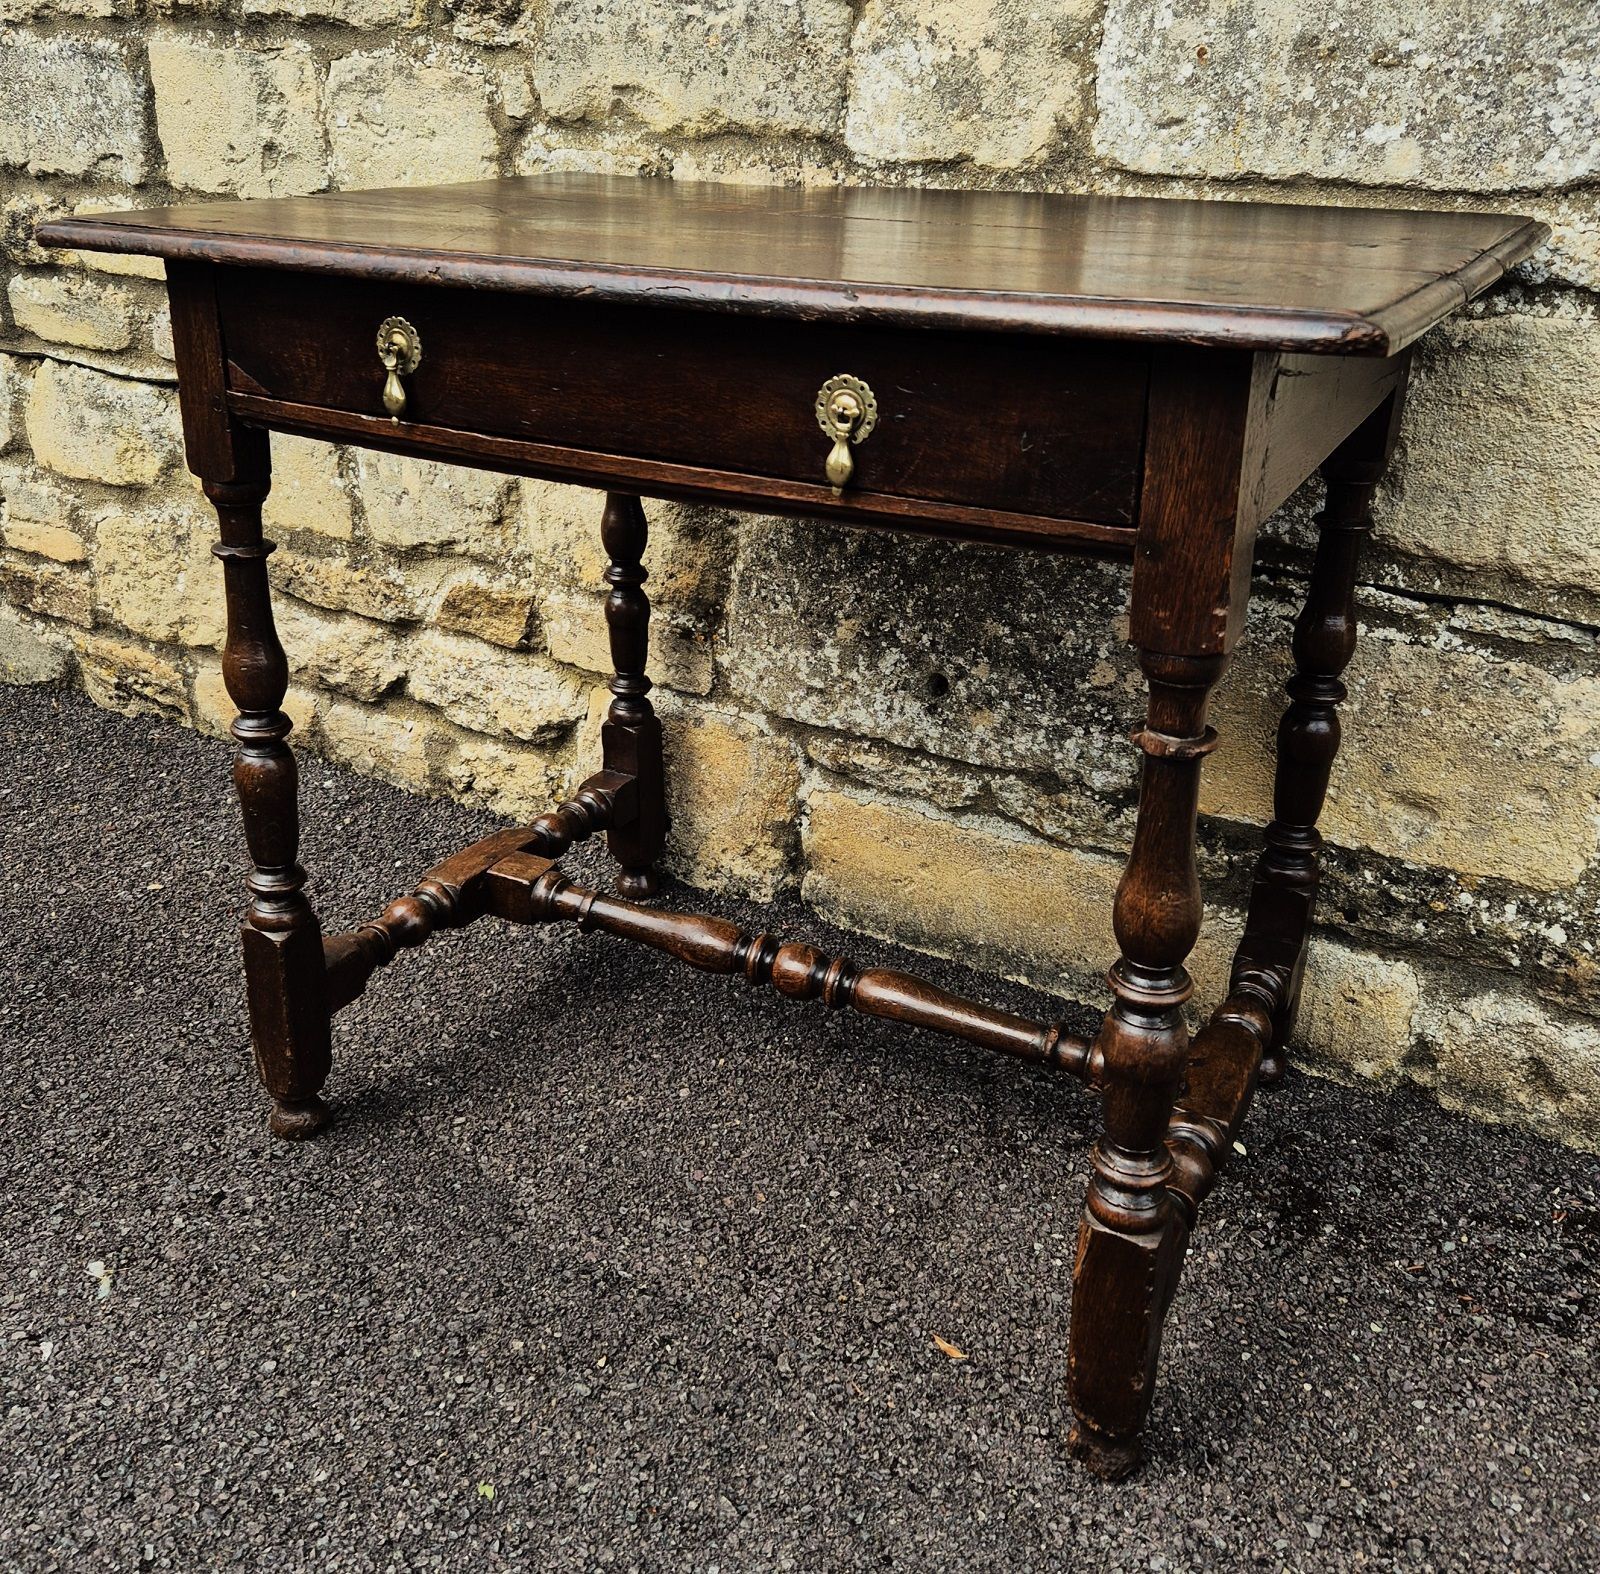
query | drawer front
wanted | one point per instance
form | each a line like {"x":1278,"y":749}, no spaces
{"x":1047,"y":428}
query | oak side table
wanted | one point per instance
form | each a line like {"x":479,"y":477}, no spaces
{"x":1136,"y":378}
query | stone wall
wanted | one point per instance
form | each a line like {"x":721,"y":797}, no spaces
{"x":966,"y":784}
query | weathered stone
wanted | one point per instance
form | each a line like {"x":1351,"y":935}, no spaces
{"x":308,"y":490}
{"x":31,"y":10}
{"x":1447,"y":96}
{"x":237,"y":120}
{"x":30,"y":652}
{"x":1505,"y":785}
{"x":415,"y":503}
{"x":161,"y":334}
{"x":394,"y":743}
{"x":519,"y":781}
{"x":972,"y":888}
{"x":213,"y":709}
{"x":1499,"y":472}
{"x":1010,"y":682}
{"x":491,"y":690}
{"x":16,"y":375}
{"x":70,"y":309}
{"x":74,"y":106}
{"x":155,"y":576}
{"x":1497,"y":1054}
{"x":355,"y":655}
{"x":351,"y":13}
{"x":899,"y":772}
{"x":1358,"y":1011}
{"x":498,"y":23}
{"x":374,"y":589}
{"x":694,"y":70}
{"x":732,"y":787}
{"x":393,"y":121}
{"x":39,"y":516}
{"x":499,"y":612}
{"x":127,"y":678}
{"x":39,"y":519}
{"x":575,"y":632}
{"x":85,"y":424}
{"x":48,"y":588}
{"x":687,"y":559}
{"x":980,"y":80}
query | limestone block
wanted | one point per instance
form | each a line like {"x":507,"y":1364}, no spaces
{"x":772,"y":66}
{"x":72,"y":310}
{"x":74,"y":106}
{"x":974,"y":888}
{"x":350,"y":13}
{"x":235,"y":119}
{"x":39,"y":516}
{"x":394,"y":121}
{"x":691,"y":547}
{"x":1499,"y":468}
{"x":498,"y":23}
{"x":982,"y":80}
{"x":394,"y":743}
{"x":308,"y":490}
{"x":518,"y":780}
{"x":127,"y":678}
{"x":1358,"y":1011}
{"x":732,"y":790}
{"x":489,"y":690}
{"x":355,"y":655}
{"x":500,"y":611}
{"x":855,"y":633}
{"x":30,"y":652}
{"x":1449,"y":96}
{"x":373,"y":587}
{"x":16,"y":375}
{"x":85,"y":424}
{"x":1451,"y":758}
{"x":1499,"y":1054}
{"x":39,"y":10}
{"x":418,"y":504}
{"x":575,"y":632}
{"x":50,"y":589}
{"x":155,"y":576}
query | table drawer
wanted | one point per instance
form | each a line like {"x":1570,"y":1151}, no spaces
{"x":1045,"y":428}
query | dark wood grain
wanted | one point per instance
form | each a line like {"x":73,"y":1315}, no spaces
{"x":528,"y":889}
{"x":630,"y":736}
{"x":669,"y":341}
{"x":1245,"y":274}
{"x":1029,"y":427}
{"x":1283,"y":898}
{"x":281,"y":934}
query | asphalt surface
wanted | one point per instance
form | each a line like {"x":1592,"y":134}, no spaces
{"x":609,"y":1265}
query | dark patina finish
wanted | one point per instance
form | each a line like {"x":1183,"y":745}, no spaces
{"x":1135,"y":378}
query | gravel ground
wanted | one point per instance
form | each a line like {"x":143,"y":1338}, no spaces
{"x":605,"y":1264}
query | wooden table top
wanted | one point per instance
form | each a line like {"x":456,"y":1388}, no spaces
{"x":1243,"y":274}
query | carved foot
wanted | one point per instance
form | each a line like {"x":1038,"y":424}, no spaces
{"x":1273,"y":1066}
{"x":637,"y":883}
{"x":1102,"y":1456}
{"x":296,"y":1122}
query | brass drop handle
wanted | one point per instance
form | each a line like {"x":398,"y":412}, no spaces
{"x":847,"y":411}
{"x":400,"y":350}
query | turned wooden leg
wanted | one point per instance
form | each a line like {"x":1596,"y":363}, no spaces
{"x":1272,"y":956}
{"x":1131,"y":1241}
{"x":631,"y":733}
{"x":283,"y":960}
